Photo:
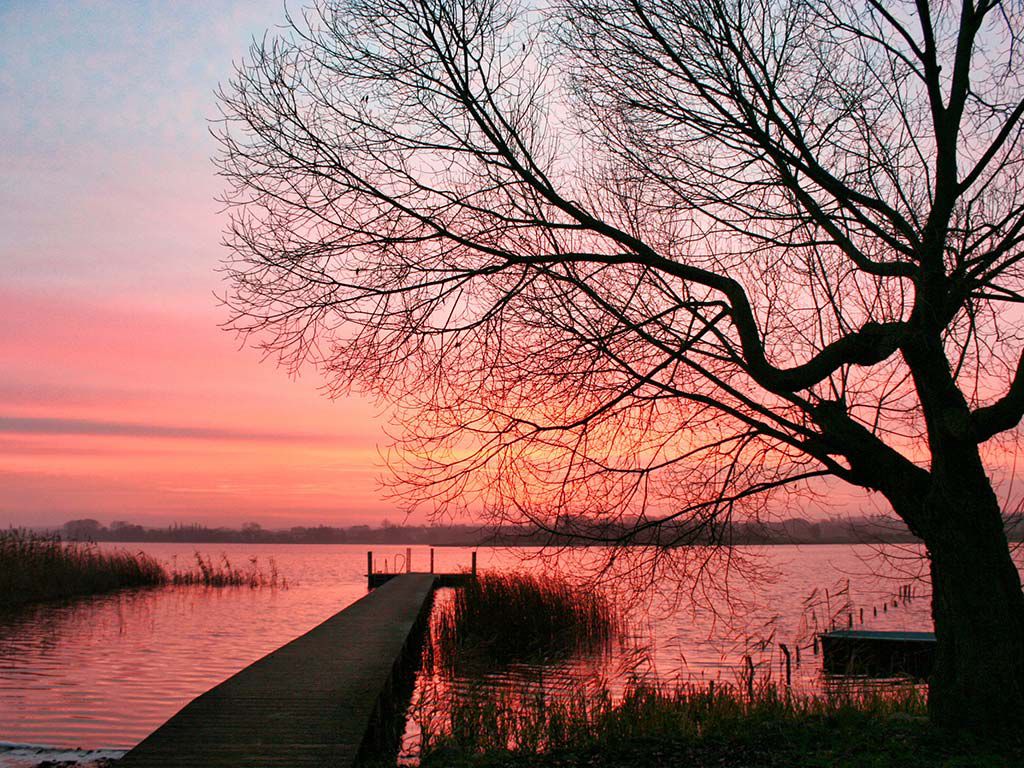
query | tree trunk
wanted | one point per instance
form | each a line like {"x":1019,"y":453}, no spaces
{"x":978,"y":607}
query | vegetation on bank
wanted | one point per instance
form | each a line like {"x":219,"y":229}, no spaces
{"x":34,"y":568}
{"x":700,"y":726}
{"x":468,"y":718}
{"x":508,"y":617}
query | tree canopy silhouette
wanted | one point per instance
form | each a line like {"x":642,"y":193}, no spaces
{"x":654,"y":260}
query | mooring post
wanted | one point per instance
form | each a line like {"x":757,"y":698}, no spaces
{"x":431,"y":559}
{"x":408,"y":559}
{"x":369,"y":563}
{"x":474,"y":563}
{"x":789,"y":673}
{"x":861,"y":615}
{"x":750,"y":677}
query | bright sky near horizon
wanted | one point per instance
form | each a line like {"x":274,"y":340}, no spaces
{"x":120,"y":398}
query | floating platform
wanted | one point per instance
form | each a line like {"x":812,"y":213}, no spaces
{"x":324,"y":699}
{"x":878,"y":654}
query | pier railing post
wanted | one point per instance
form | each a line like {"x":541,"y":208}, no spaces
{"x":750,"y":677}
{"x":474,"y":563}
{"x":789,"y":669}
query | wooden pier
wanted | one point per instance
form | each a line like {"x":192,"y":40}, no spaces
{"x":878,"y":654}
{"x":376,"y":578}
{"x":321,"y":700}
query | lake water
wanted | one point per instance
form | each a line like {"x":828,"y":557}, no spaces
{"x":103,"y":672}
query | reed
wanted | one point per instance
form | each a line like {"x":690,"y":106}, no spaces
{"x":530,"y":721}
{"x":223,"y":573}
{"x":508,"y":617}
{"x":36,"y":567}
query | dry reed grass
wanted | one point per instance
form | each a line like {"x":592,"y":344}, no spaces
{"x":36,"y":567}
{"x":509,"y":617}
{"x":503,"y":719}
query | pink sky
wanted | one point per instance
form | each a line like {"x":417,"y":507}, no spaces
{"x":120,"y":398}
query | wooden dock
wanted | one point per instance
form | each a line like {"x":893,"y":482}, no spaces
{"x":877,"y":654}
{"x":321,"y":700}
{"x":376,"y":578}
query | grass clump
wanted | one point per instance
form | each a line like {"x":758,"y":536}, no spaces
{"x":652,"y":725}
{"x":223,"y":573}
{"x":36,"y":567}
{"x":508,"y":617}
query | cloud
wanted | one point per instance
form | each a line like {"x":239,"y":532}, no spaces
{"x":99,"y":428}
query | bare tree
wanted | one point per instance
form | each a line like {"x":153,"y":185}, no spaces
{"x":649,"y":262}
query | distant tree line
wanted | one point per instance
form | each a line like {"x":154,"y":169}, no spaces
{"x":92,"y":530}
{"x":574,"y":531}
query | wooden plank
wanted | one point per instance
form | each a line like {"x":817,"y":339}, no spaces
{"x":374,"y":580}
{"x":313,"y":702}
{"x":867,"y":634}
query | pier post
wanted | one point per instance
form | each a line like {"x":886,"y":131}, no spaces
{"x":369,"y":563}
{"x":750,"y":677}
{"x":408,"y":559}
{"x":431,"y":559}
{"x":474,"y":563}
{"x":861,"y":615}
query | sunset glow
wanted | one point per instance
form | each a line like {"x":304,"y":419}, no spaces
{"x":120,"y":397}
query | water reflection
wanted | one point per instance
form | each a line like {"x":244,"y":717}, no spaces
{"x":104,"y":672}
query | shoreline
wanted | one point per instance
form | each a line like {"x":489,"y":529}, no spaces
{"x":18,"y":755}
